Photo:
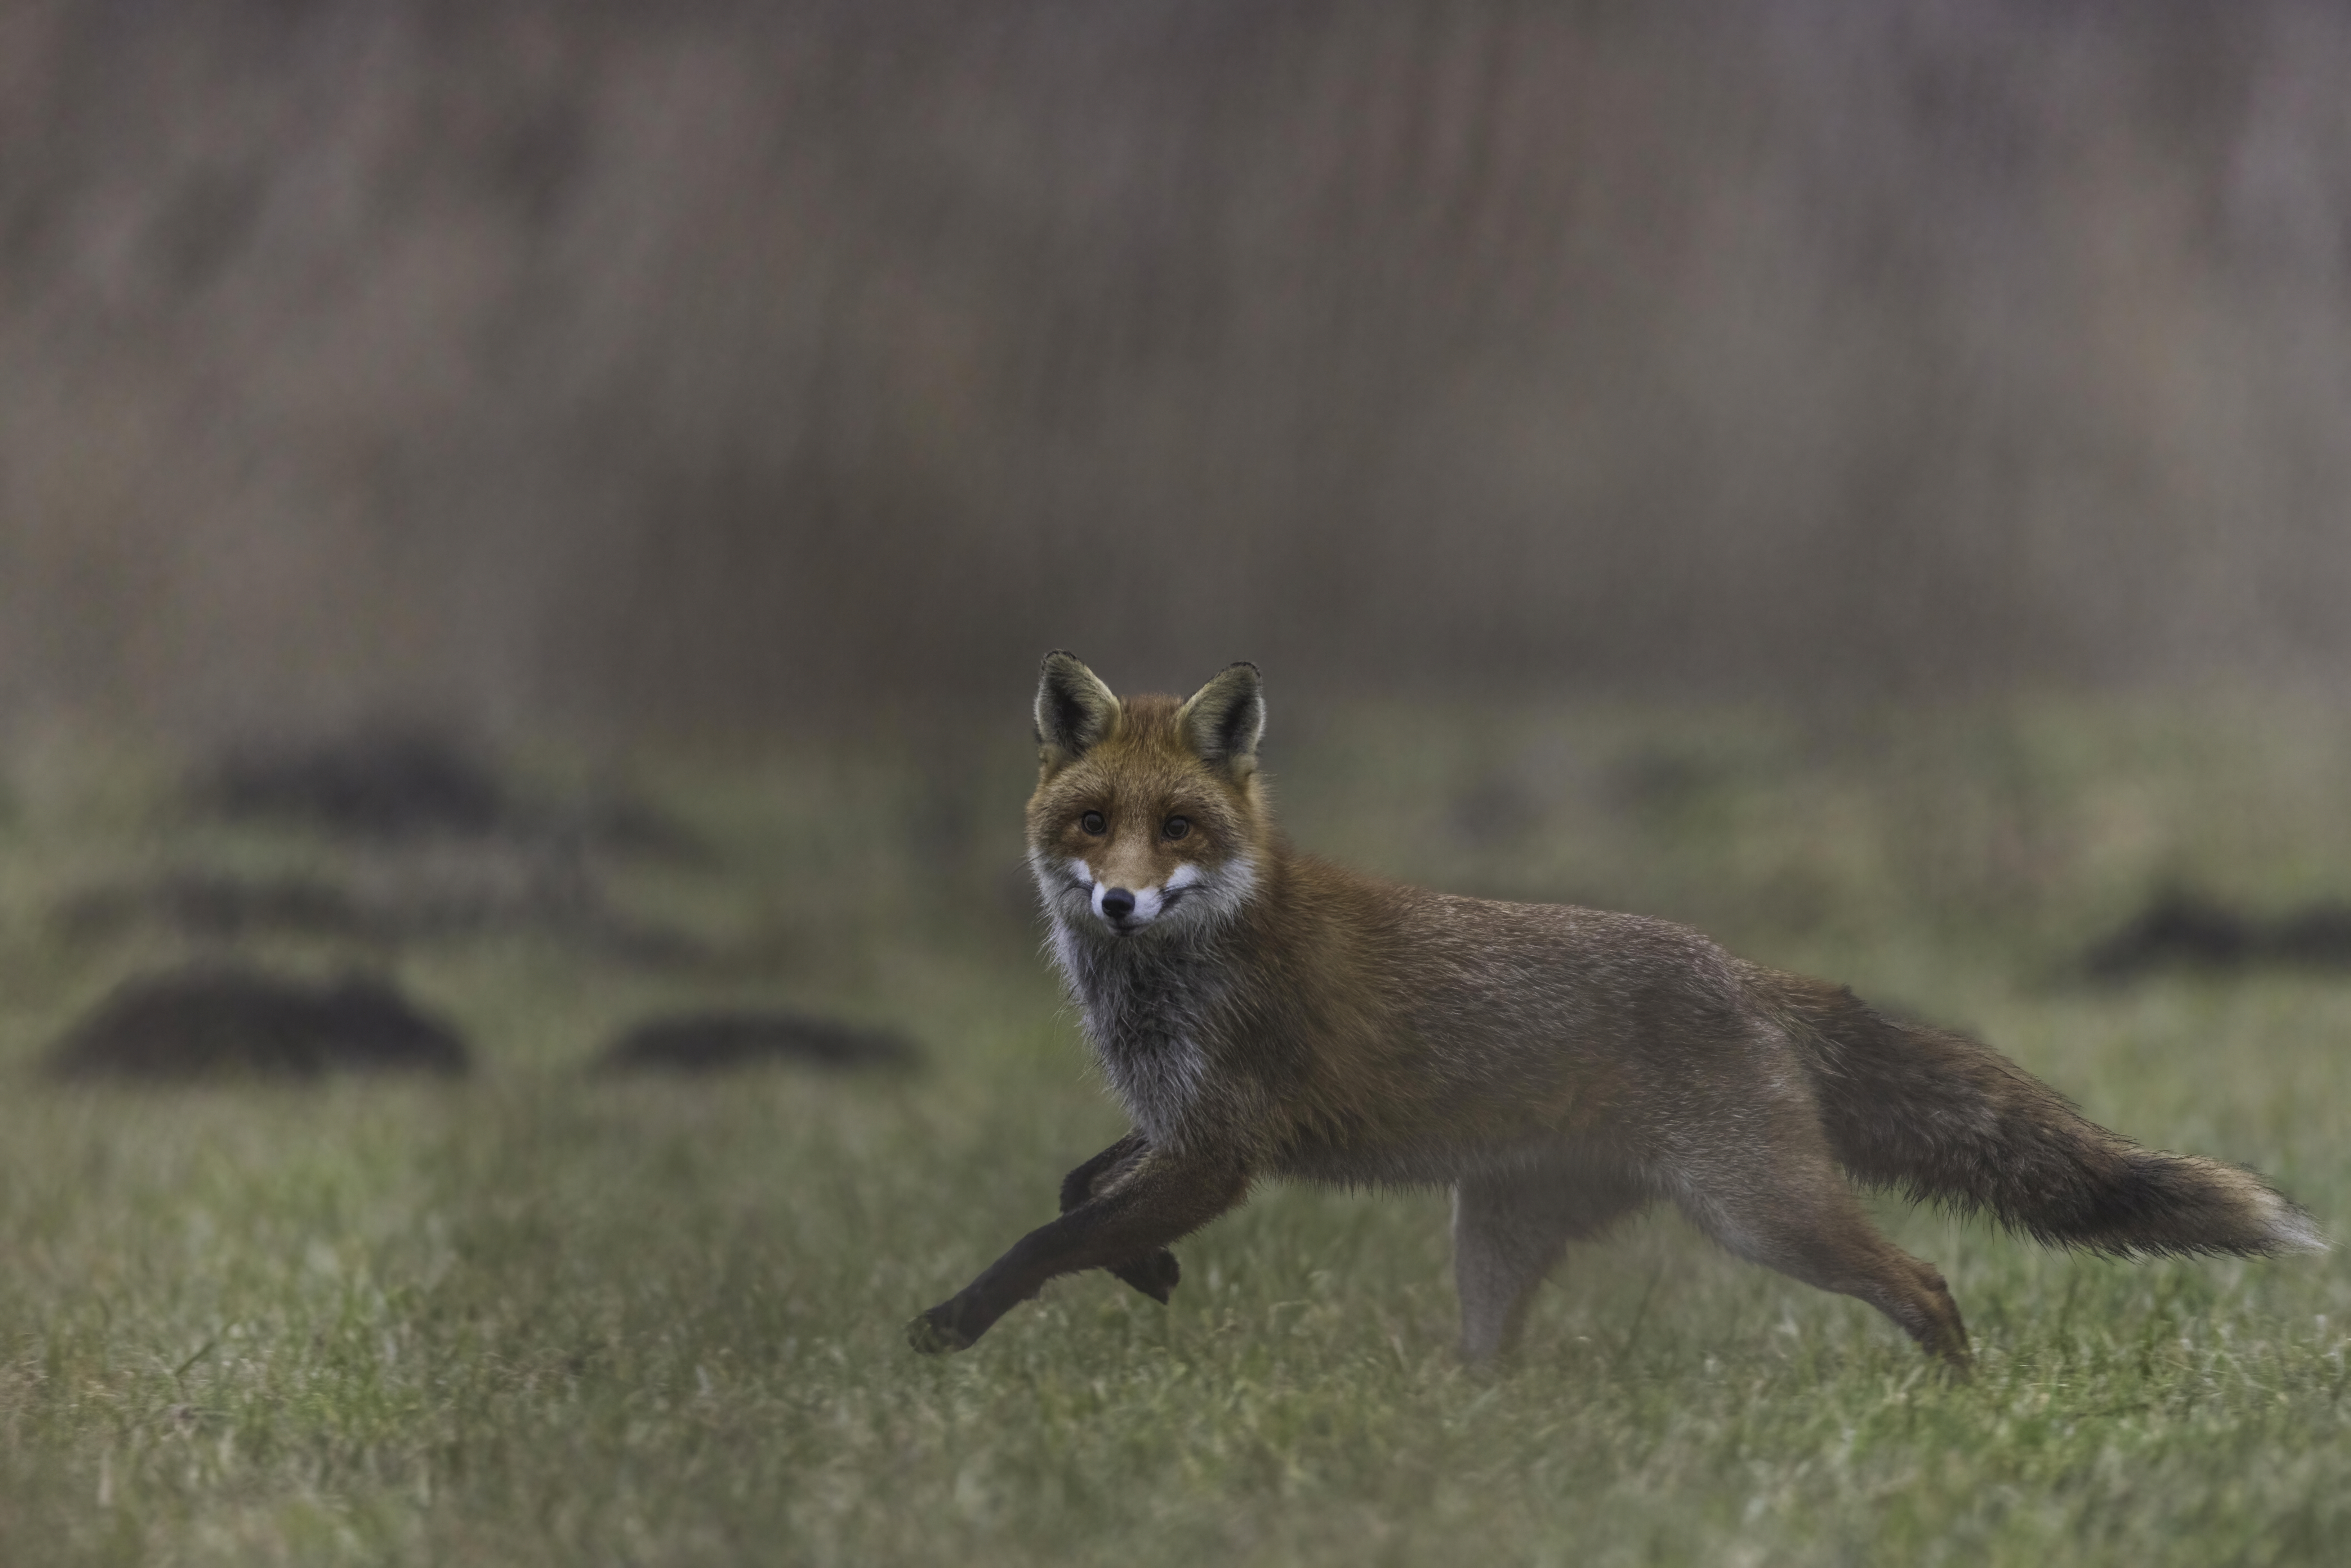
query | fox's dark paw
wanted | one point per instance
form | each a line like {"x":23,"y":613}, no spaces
{"x":1155,"y":1276}
{"x":934,"y":1335}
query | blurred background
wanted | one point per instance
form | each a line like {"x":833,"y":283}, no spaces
{"x":627,"y":370}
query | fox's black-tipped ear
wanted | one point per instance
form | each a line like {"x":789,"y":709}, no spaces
{"x":1074,"y":710}
{"x":1224,"y":718}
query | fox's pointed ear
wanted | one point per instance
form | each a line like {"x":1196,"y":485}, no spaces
{"x":1224,"y":718}
{"x":1074,"y":710}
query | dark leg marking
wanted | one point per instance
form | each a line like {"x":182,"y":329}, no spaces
{"x":1161,"y":1198}
{"x":1155,"y":1276}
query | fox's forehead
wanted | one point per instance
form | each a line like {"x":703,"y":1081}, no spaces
{"x":1144,"y":760}
{"x":1133,"y":774}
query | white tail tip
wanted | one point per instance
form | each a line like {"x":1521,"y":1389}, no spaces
{"x":2296,"y":1231}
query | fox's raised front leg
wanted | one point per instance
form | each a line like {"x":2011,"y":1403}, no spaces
{"x":1159,"y":1200}
{"x":1155,"y":1276}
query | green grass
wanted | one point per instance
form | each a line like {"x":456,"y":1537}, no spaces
{"x":536,"y":1318}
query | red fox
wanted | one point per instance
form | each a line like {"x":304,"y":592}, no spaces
{"x":1262,"y":1013}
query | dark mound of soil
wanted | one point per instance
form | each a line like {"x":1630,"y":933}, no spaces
{"x":226,"y":1022}
{"x":392,"y":783}
{"x":2315,"y":934}
{"x":715,"y":1041}
{"x":372,"y":783}
{"x":2187,"y":931}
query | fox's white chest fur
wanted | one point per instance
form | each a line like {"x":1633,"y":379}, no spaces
{"x":1146,"y":1006}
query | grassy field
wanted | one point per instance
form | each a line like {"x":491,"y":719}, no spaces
{"x":539,"y":1317}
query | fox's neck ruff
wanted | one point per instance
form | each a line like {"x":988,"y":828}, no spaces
{"x":1153,"y":999}
{"x":1147,"y":1004}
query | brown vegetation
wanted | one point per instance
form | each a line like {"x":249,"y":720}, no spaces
{"x":706,"y":363}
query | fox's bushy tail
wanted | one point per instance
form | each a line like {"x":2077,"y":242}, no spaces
{"x":1943,"y":1118}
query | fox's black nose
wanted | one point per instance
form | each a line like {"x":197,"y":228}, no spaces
{"x":1118,"y":904}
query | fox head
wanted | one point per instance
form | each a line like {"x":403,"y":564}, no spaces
{"x":1148,"y":812}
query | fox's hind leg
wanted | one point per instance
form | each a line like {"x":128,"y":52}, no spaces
{"x":1787,"y":1208}
{"x":1507,"y":1232}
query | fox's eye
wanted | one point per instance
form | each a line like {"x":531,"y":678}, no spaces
{"x":1175,"y":827}
{"x":1092,"y":822}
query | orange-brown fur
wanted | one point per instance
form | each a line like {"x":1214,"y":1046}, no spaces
{"x":1262,"y":1013}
